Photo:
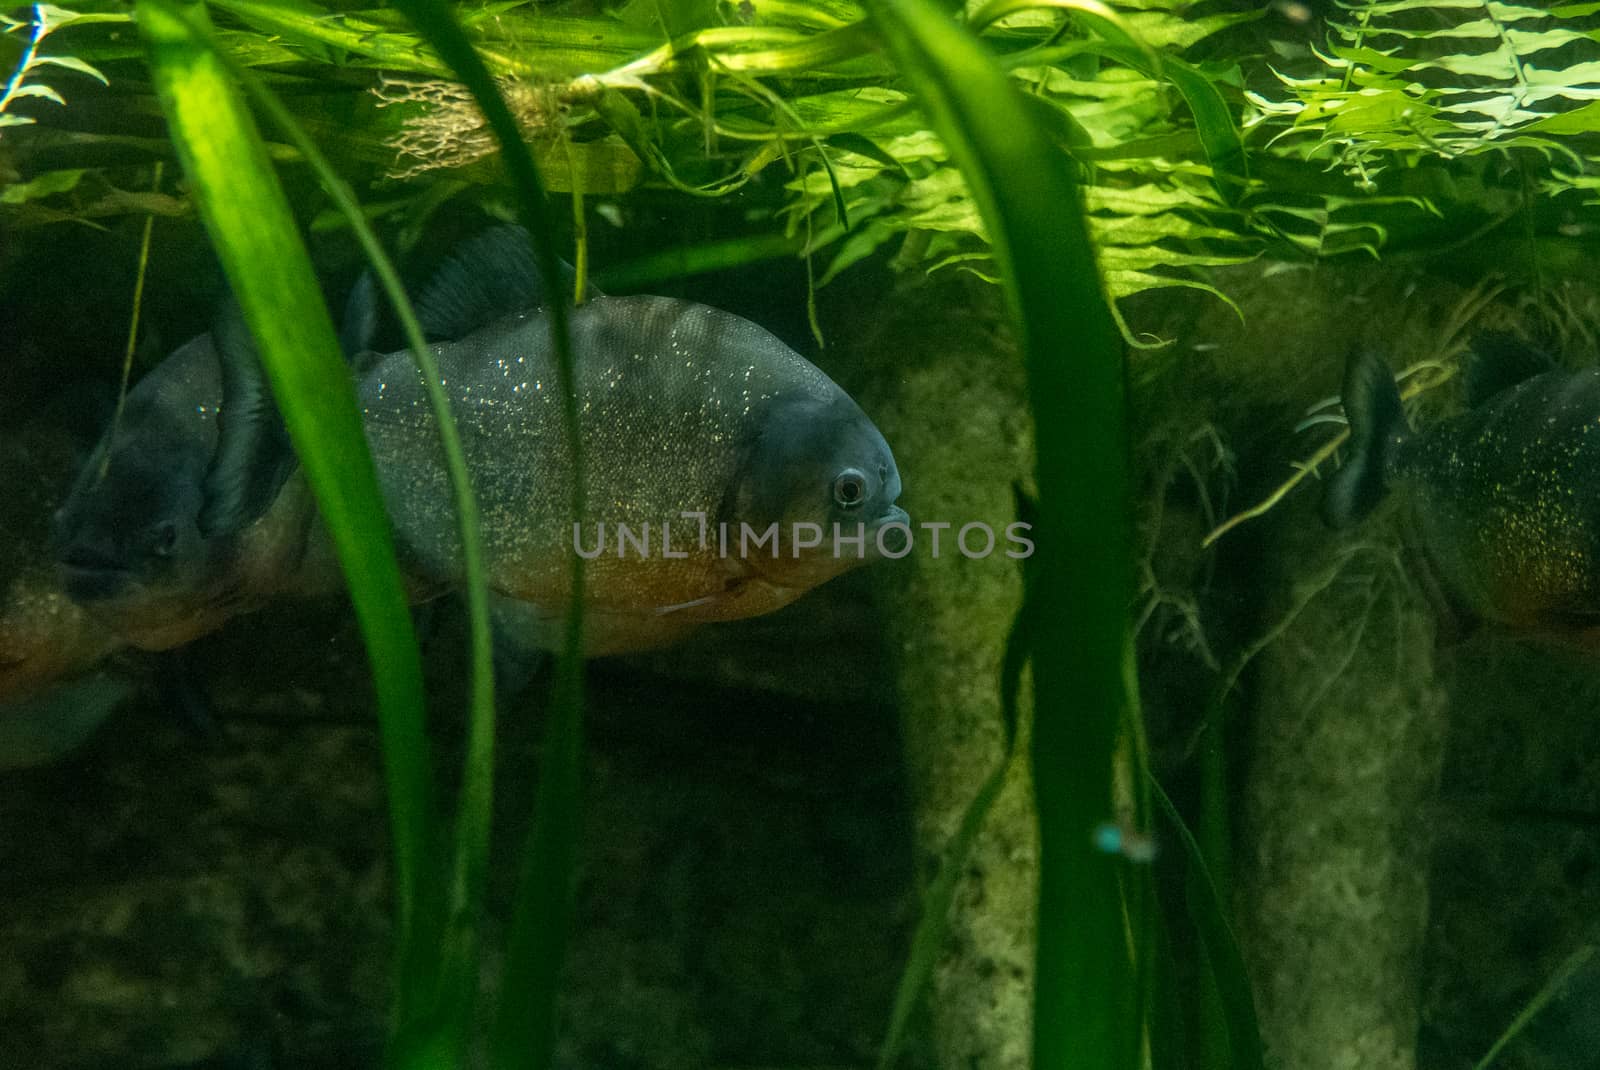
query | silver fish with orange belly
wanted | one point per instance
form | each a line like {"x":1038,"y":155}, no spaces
{"x":683,"y":409}
{"x":701,"y":432}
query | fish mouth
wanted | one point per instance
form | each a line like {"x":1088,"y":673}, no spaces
{"x":89,"y":576}
{"x":893,"y":515}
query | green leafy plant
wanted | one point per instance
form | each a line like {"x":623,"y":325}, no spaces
{"x":605,"y":104}
{"x":1407,"y":91}
{"x":1408,"y":79}
{"x":27,"y":77}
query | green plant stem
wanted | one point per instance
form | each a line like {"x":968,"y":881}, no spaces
{"x":1541,"y":999}
{"x":458,"y":972}
{"x":133,"y":321}
{"x":1086,"y":997}
{"x":25,"y":63}
{"x":256,"y":238}
{"x":439,"y":993}
{"x":927,"y":942}
{"x":524,"y":1027}
{"x":1227,"y":1002}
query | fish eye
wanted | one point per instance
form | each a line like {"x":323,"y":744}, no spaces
{"x":164,"y":539}
{"x":850,"y":488}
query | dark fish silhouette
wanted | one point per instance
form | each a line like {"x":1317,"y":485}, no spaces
{"x":52,"y":691}
{"x":136,"y":540}
{"x":1506,"y":496}
{"x":44,"y":635}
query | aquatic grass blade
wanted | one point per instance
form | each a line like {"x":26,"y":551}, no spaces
{"x":524,"y":1026}
{"x":255,"y":236}
{"x":438,"y":997}
{"x":678,"y":262}
{"x":1086,"y":997}
{"x":1214,"y":121}
{"x":1207,"y":914}
{"x":927,"y":942}
{"x":1541,"y":999}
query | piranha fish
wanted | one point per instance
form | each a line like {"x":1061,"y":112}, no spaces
{"x":53,"y":689}
{"x":44,"y":635}
{"x":133,"y":545}
{"x":694,"y":423}
{"x":683,"y":409}
{"x":1504,"y":495}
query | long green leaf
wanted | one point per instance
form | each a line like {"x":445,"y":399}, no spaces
{"x":439,"y":994}
{"x":1086,"y":997}
{"x":927,"y":942}
{"x":1541,"y":999}
{"x":256,"y":238}
{"x":1209,"y":916}
{"x":524,"y":1029}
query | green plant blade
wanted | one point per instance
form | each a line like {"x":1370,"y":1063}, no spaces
{"x":927,"y":942}
{"x":447,"y":1008}
{"x":524,"y":1027}
{"x":257,"y":240}
{"x":1207,"y":915}
{"x":654,"y":268}
{"x":1540,"y":1000}
{"x":1213,"y":118}
{"x":1086,"y":998}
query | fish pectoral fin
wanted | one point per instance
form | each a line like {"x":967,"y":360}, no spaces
{"x":702,"y":601}
{"x":732,"y":583}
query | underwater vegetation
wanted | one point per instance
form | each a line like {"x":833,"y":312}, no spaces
{"x":505,"y":201}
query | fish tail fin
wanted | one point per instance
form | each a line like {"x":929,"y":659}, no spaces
{"x":1377,"y":424}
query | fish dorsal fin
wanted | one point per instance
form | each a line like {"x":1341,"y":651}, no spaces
{"x":489,"y":277}
{"x":254,"y":456}
{"x":1498,"y":361}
